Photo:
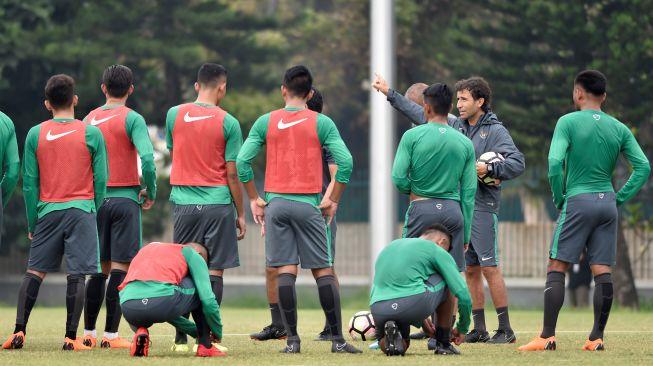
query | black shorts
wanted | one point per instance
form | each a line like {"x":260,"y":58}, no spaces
{"x":119,"y":229}
{"x":483,"y":247}
{"x":213,"y":226}
{"x":71,"y":232}
{"x":410,"y":310}
{"x":587,"y":220}
{"x":423,"y":213}
{"x":147,"y":311}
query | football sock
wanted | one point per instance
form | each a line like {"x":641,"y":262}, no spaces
{"x":479,"y":319}
{"x":110,"y":335}
{"x":217,"y":285}
{"x":94,"y":295}
{"x":203,"y":333}
{"x":27,"y":294}
{"x":330,"y":301}
{"x":554,"y":296}
{"x":504,"y":319}
{"x":288,"y":303}
{"x":74,"y":303}
{"x":113,"y":301}
{"x":602,"y":303}
{"x":443,"y":335}
{"x":275,"y":312}
{"x":181,"y":337}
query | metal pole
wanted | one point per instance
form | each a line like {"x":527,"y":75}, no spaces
{"x":382,"y":130}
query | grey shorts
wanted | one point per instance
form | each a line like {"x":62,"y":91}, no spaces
{"x":587,"y":220}
{"x":119,"y":229}
{"x":410,"y":310}
{"x":423,"y":213}
{"x":483,"y":247}
{"x":213,"y":226}
{"x":295,"y":232}
{"x":71,"y":232}
{"x":147,"y":311}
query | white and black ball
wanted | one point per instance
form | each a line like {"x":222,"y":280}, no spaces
{"x":488,"y":158}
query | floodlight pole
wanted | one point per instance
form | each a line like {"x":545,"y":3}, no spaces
{"x":382,"y":130}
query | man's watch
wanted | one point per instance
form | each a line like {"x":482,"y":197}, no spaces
{"x":490,"y":167}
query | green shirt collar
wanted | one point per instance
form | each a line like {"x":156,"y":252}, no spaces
{"x":63,"y":119}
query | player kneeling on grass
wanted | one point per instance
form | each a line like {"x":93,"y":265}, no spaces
{"x":164,"y":282}
{"x":414,"y":279}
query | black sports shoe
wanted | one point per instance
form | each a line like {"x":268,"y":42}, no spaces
{"x":325,"y":335}
{"x":292,"y":347}
{"x":419,"y":335}
{"x":270,"y":332}
{"x":477,"y":336}
{"x":445,"y":349}
{"x":394,"y":343}
{"x":343,"y":347}
{"x":432,"y":344}
{"x":503,"y":336}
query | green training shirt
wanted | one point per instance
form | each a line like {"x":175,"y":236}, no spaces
{"x":329,"y":137}
{"x":139,"y":136}
{"x":199,"y":195}
{"x":404,"y":265}
{"x":199,"y":272}
{"x":35,"y":208}
{"x":434,"y":160}
{"x":8,"y":157}
{"x":584,"y":152}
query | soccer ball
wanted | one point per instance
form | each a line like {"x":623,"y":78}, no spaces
{"x":361,"y":326}
{"x":487,"y":158}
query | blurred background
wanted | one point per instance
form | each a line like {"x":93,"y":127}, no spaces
{"x":529,"y":51}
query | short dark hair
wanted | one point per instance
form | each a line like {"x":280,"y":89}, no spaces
{"x":593,"y":81}
{"x":117,"y":79}
{"x":437,"y":228}
{"x":316,"y":103}
{"x":298,"y":80}
{"x":60,"y":90}
{"x":439,"y":97}
{"x":211,"y":74}
{"x":478,"y":88}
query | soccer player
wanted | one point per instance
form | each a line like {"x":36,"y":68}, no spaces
{"x":204,"y":141}
{"x":482,"y":126}
{"x":64,"y":181}
{"x":583,"y":154}
{"x":440,"y":191}
{"x":10,"y":161}
{"x":413,"y":279}
{"x":164,"y":282}
{"x":119,"y":218}
{"x":276,"y":329}
{"x":295,"y":231}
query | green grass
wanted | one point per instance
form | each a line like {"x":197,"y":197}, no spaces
{"x":628,"y":342}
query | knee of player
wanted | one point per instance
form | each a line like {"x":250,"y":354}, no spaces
{"x":490,"y":271}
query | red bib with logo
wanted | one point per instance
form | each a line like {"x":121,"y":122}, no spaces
{"x":198,"y":149}
{"x":65,"y":167}
{"x":121,"y":152}
{"x":294,"y":153}
{"x":160,"y":262}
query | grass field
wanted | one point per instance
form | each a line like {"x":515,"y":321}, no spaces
{"x":628,"y":342}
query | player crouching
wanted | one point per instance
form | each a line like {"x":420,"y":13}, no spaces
{"x":414,"y":279}
{"x":164,"y":282}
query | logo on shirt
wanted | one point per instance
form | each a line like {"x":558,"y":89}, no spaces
{"x":442,"y":130}
{"x":282,"y":126}
{"x":95,"y":122}
{"x":51,"y":137}
{"x":596,"y":116}
{"x":483,"y":134}
{"x":188,"y":118}
{"x":439,"y":206}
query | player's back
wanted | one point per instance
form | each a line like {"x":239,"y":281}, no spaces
{"x":6,"y":133}
{"x":438,"y":156}
{"x":595,"y":140}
